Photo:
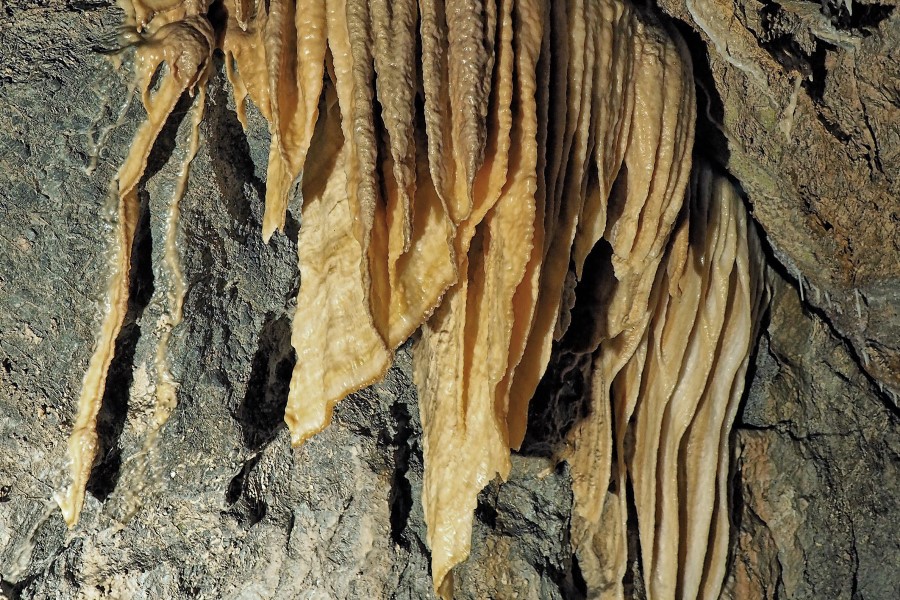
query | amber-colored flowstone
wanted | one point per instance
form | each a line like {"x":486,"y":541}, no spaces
{"x":457,"y":160}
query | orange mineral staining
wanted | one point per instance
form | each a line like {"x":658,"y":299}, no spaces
{"x":455,"y":163}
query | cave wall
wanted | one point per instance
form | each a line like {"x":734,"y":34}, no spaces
{"x":227,"y":509}
{"x":817,"y":457}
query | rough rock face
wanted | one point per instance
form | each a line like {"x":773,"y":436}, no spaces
{"x":818,"y":469}
{"x":226,"y":509}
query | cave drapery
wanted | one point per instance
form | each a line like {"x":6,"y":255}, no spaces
{"x":458,"y":163}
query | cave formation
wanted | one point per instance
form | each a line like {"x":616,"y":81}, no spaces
{"x":480,"y":176}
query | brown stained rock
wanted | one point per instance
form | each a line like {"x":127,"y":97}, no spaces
{"x":818,"y":469}
{"x":781,"y":513}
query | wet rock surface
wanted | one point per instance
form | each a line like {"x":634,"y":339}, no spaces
{"x":225,"y":508}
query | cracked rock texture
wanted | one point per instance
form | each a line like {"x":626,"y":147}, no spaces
{"x":226,"y":509}
{"x":818,"y":471}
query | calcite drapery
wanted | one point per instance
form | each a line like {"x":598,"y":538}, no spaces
{"x":457,"y":161}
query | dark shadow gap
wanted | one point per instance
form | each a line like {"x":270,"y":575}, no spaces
{"x":579,"y":585}
{"x":709,"y":139}
{"x":862,"y":18}
{"x":261,"y":412}
{"x":237,"y":483}
{"x":244,"y":498}
{"x":562,"y":398}
{"x":114,"y":405}
{"x":633,"y":583}
{"x":400,"y":499}
{"x":116,"y":395}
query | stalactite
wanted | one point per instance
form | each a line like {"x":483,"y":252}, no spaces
{"x":457,"y":161}
{"x":180,"y":51}
{"x":673,"y":389}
